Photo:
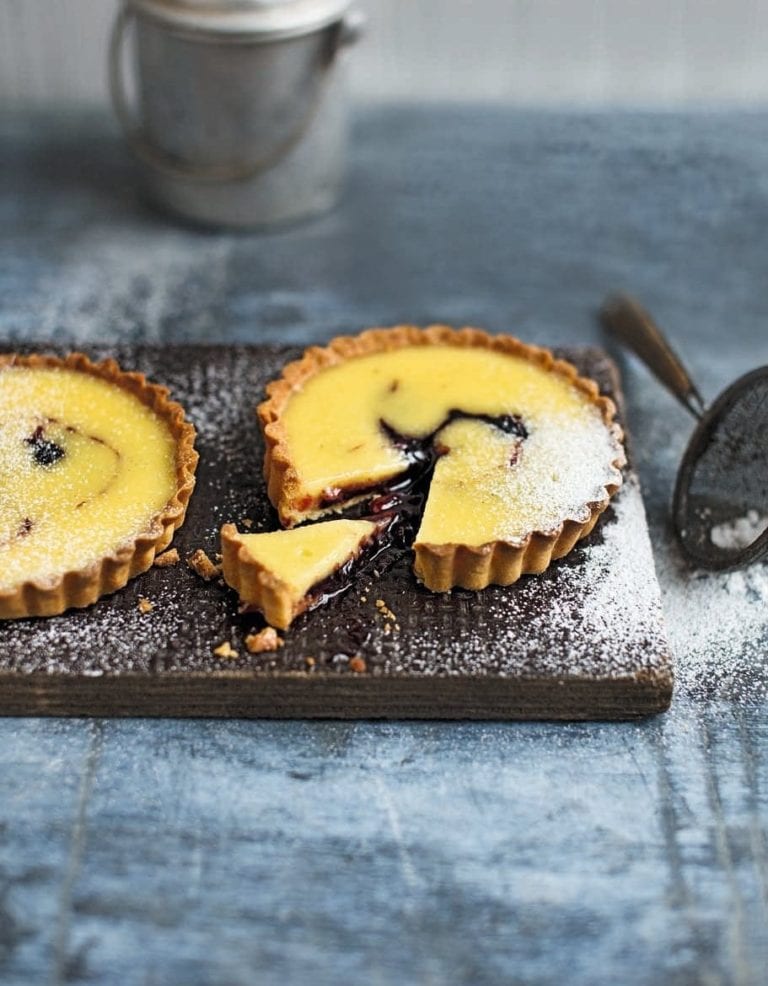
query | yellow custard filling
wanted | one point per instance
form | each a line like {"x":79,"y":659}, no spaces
{"x":490,"y":485}
{"x":275,"y":572}
{"x":84,"y":468}
{"x":302,"y":557}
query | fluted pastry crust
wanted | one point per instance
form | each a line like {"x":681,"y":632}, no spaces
{"x":77,"y":588}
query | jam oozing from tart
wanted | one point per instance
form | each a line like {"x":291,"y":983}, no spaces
{"x":285,"y":566}
{"x":285,"y":573}
{"x":84,"y":468}
{"x":517,"y":454}
{"x":420,"y":455}
{"x":562,"y":450}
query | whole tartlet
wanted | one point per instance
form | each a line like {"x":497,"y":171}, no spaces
{"x":525,"y":453}
{"x":96,"y":470}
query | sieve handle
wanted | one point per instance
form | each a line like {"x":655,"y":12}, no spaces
{"x":627,"y":320}
{"x":346,"y":32}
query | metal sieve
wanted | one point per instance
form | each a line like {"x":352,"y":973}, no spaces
{"x":720,"y":502}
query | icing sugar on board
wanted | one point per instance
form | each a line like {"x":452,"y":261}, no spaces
{"x":584,"y":640}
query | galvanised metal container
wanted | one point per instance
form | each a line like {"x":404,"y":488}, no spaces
{"x":239,"y":114}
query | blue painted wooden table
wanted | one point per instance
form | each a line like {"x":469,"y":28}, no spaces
{"x":190,"y":852}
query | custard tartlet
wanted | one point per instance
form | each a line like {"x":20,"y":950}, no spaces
{"x":96,"y":470}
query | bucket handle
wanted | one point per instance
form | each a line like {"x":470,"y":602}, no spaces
{"x":345,"y":33}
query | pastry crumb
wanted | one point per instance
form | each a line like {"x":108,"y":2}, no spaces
{"x":247,"y":523}
{"x":145,"y":605}
{"x":385,"y":611}
{"x":225,"y":649}
{"x":358,"y":665}
{"x":202,"y":565}
{"x":265,"y":640}
{"x":167,"y":558}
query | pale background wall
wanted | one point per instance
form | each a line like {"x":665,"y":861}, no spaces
{"x":525,"y":51}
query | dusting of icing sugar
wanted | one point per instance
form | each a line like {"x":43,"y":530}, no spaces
{"x":106,"y":636}
{"x":740,"y":532}
{"x":149,"y":275}
{"x":215,"y":397}
{"x":602,"y":615}
{"x":718,"y":626}
{"x":717,"y":622}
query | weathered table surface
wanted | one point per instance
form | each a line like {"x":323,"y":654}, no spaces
{"x":237,"y":852}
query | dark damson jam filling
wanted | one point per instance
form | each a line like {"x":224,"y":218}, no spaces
{"x":421,"y":454}
{"x":44,"y":451}
{"x":396,"y":507}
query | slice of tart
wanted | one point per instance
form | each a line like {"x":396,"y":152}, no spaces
{"x":526,"y":453}
{"x":96,"y":470}
{"x":490,"y":517}
{"x":284,"y":573}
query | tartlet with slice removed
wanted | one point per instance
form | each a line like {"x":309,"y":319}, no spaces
{"x":96,"y":470}
{"x":284,"y":573}
{"x":526,"y":452}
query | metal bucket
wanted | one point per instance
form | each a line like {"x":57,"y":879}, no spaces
{"x":240,"y":116}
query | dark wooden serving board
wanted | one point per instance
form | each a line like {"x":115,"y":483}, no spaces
{"x":585,"y":640}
